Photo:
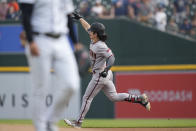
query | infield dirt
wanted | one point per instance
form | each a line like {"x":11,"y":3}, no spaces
{"x":20,"y":127}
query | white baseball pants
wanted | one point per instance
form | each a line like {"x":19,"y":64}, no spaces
{"x":56,"y":54}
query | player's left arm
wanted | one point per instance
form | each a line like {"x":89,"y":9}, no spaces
{"x":109,"y":62}
{"x":107,"y":53}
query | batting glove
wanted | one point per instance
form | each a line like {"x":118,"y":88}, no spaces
{"x":76,"y":15}
{"x":104,"y":74}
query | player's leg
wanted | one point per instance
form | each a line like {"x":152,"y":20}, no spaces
{"x":40,"y":73}
{"x":91,"y":91}
{"x":67,"y":79}
{"x":110,"y":91}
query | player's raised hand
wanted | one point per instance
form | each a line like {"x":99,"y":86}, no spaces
{"x":76,"y":15}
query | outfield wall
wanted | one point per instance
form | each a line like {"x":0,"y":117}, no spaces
{"x":9,"y":38}
{"x":172,"y":94}
{"x":16,"y":100}
{"x":136,"y":44}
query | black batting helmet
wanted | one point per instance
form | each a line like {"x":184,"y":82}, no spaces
{"x":98,"y":28}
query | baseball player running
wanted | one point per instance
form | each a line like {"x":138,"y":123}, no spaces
{"x":102,"y":60}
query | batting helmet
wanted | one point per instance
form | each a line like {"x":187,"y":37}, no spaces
{"x":98,"y":28}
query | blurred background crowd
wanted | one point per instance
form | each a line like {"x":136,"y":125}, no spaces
{"x":9,"y":10}
{"x":174,"y":16}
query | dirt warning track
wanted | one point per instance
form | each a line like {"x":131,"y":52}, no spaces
{"x":20,"y":127}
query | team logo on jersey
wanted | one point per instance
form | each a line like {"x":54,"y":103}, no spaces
{"x":92,"y":54}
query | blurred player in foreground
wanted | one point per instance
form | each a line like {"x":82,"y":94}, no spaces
{"x":45,"y":25}
{"x":102,"y":60}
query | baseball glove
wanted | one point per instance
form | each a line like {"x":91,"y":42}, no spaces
{"x":82,"y":58}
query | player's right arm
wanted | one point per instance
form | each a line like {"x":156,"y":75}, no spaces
{"x":85,"y":24}
{"x":27,"y":9}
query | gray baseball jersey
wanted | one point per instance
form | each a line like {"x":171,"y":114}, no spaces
{"x":99,"y":52}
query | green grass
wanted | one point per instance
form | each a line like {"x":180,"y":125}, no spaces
{"x":15,"y":121}
{"x":123,"y":123}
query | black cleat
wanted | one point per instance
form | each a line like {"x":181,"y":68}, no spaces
{"x":144,"y":101}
